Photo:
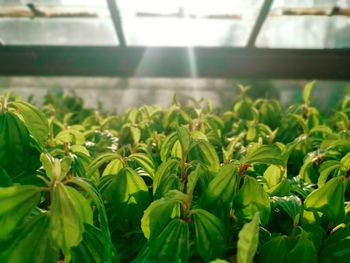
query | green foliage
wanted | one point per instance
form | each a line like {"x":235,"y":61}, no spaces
{"x":16,"y":202}
{"x":190,"y":183}
{"x":210,"y":234}
{"x":250,"y":199}
{"x":248,"y":241}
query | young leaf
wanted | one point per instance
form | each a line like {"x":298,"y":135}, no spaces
{"x":100,"y":160}
{"x":328,"y":199}
{"x":250,"y":199}
{"x":166,"y":178}
{"x":206,"y":154}
{"x":113,"y":167}
{"x":184,"y":138}
{"x":326,"y":169}
{"x":167,"y":146}
{"x":145,"y":161}
{"x":307,"y":91}
{"x":267,"y":154}
{"x":35,"y":121}
{"x":248,"y":240}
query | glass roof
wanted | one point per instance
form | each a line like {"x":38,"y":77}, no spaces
{"x":306,"y":24}
{"x":290,"y":24}
{"x":188,"y":22}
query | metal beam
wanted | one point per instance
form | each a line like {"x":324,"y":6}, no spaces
{"x":174,"y":62}
{"x":264,"y":12}
{"x":117,"y":21}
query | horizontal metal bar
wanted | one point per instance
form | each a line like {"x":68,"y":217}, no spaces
{"x":175,"y":62}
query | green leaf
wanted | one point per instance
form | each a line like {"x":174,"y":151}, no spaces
{"x":99,"y":161}
{"x":307,"y":91}
{"x":276,"y":184}
{"x":192,"y":180}
{"x":267,"y":154}
{"x":176,"y":151}
{"x":336,"y":248}
{"x":16,"y":202}
{"x":127,"y":192}
{"x":56,"y":169}
{"x":35,"y":121}
{"x":166,"y":178}
{"x":184,"y":138}
{"x":82,"y":205}
{"x":282,"y":189}
{"x":113,"y":167}
{"x":248,"y":241}
{"x":158,"y":215}
{"x":48,"y":164}
{"x":250,"y":199}
{"x":328,"y":199}
{"x":326,"y":169}
{"x":275,"y":249}
{"x":167,"y":146}
{"x":345,"y":161}
{"x":211,"y":235}
{"x":31,"y":243}
{"x":91,"y":190}
{"x":145,"y":161}
{"x":172,"y":244}
{"x":16,"y":155}
{"x":205,"y":153}
{"x":70,"y":136}
{"x":304,"y":251}
{"x":221,"y":189}
{"x":91,"y":249}
{"x":66,"y":219}
{"x":5,"y":179}
{"x":289,"y":204}
{"x":273,"y":176}
{"x":136,"y":134}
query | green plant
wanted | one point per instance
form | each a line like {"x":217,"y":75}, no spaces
{"x":183,"y":184}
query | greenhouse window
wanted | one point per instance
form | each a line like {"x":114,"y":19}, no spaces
{"x":66,"y":23}
{"x":188,"y":23}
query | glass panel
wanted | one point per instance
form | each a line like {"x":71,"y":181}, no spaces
{"x":56,"y":2}
{"x":310,"y":3}
{"x":59,"y":22}
{"x":188,"y":23}
{"x":57,"y":31}
{"x":306,"y":30}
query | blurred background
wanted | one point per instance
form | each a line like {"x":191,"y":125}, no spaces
{"x":288,"y":24}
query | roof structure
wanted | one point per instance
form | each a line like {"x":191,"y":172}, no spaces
{"x":176,"y":38}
